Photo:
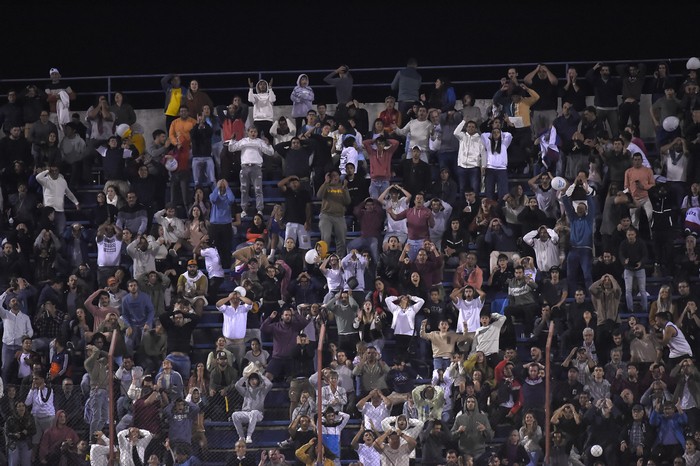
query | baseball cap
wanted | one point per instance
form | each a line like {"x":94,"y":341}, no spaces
{"x":191,"y":262}
{"x":415,"y":146}
{"x":637,"y":407}
{"x":53,"y":70}
{"x":112,"y":281}
{"x":221,"y":355}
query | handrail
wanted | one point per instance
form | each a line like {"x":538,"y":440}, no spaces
{"x":379,"y":77}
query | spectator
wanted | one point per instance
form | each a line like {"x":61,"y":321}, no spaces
{"x":179,"y":326}
{"x":670,"y":441}
{"x":673,"y":338}
{"x":472,"y":429}
{"x":284,"y":332}
{"x":582,"y":220}
{"x":392,"y":449}
{"x":334,"y":199}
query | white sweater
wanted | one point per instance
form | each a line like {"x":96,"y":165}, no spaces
{"x":55,"y":190}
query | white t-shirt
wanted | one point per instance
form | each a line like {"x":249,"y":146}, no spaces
{"x":109,"y":251}
{"x":396,"y":207}
{"x":212,"y":262}
{"x":469,"y":313}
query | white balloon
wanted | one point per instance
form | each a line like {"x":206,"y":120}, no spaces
{"x":670,"y":123}
{"x":311,"y":256}
{"x":171,"y":165}
{"x":240,"y":290}
{"x":596,"y":450}
{"x":693,"y":63}
{"x":558,"y":183}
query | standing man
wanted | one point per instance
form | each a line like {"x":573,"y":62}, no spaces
{"x":235,"y":309}
{"x":252,"y":151}
{"x":40,"y":400}
{"x":419,"y":220}
{"x":284,"y":340}
{"x":407,"y":82}
{"x":220,"y":228}
{"x":97,"y":403}
{"x":638,"y":180}
{"x":54,"y":189}
{"x":334,"y":199}
{"x":137,"y":314}
{"x":582,"y":221}
{"x":298,"y":211}
{"x":15,"y":325}
{"x":174,"y":97}
{"x":633,"y":256}
{"x":606,"y":90}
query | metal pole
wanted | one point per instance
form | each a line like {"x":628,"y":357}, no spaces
{"x":110,"y":387}
{"x":319,"y":416}
{"x":547,"y":394}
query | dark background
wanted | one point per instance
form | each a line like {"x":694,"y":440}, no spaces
{"x":124,"y":38}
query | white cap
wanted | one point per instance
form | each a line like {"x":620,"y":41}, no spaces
{"x":53,"y":70}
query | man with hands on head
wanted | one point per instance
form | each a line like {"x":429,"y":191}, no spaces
{"x":235,"y":308}
{"x":220,"y":229}
{"x":395,"y":446}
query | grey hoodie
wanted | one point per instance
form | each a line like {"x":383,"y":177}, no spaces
{"x":472,"y":441}
{"x":262,"y":102}
{"x":253,"y":397}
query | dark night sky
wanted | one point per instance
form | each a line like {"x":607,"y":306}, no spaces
{"x":123,"y":37}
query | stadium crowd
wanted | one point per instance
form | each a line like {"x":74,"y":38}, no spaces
{"x":436,"y":242}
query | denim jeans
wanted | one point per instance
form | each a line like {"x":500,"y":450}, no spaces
{"x":205,"y":164}
{"x":577,"y":260}
{"x":496,"y":180}
{"x":415,"y":244}
{"x":99,"y":406}
{"x":448,"y":160}
{"x":251,"y":174}
{"x":469,"y":178}
{"x":181,"y":364}
{"x":372,"y":244}
{"x":376,"y":187}
{"x":641,"y":277}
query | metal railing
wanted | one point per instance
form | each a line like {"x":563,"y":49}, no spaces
{"x":370,"y":84}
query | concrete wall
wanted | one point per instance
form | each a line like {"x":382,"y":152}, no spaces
{"x":152,"y":119}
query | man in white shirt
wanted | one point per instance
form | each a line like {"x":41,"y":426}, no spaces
{"x":252,"y":151}
{"x":15,"y":326}
{"x":545,"y":242}
{"x":40,"y":399}
{"x":469,"y":302}
{"x":235,"y":308}
{"x":212,"y":262}
{"x":55,"y":188}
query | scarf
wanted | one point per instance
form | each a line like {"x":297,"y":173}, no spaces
{"x":191,"y":282}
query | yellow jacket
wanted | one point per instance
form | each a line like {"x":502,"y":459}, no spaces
{"x":303,"y":455}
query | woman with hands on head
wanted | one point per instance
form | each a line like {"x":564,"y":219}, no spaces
{"x":403,"y":309}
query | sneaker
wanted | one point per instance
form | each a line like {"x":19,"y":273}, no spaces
{"x":243,"y":214}
{"x":249,"y":439}
{"x":285,"y":444}
{"x":260,"y":212}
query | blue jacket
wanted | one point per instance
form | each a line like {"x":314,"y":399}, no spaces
{"x":675,"y":423}
{"x":581,"y":235}
{"x":221,"y":206}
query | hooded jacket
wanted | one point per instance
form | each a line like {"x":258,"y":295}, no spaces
{"x":253,"y":397}
{"x":262,"y":102}
{"x":53,"y":438}
{"x":302,"y":98}
{"x":472,"y":441}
